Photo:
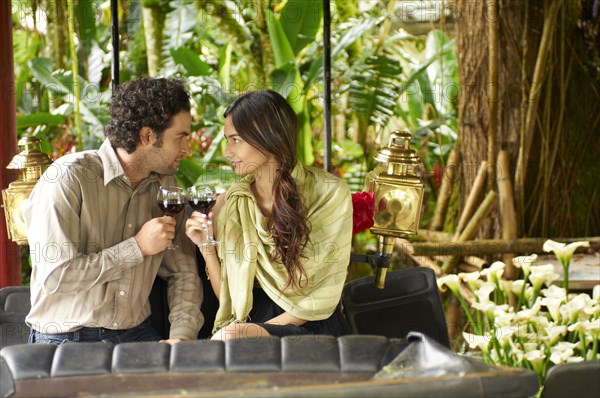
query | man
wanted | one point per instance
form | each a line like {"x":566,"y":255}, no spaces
{"x":97,"y":236}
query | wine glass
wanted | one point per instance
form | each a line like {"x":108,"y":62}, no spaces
{"x":171,"y":200}
{"x":202,"y":199}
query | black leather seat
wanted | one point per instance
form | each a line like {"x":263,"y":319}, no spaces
{"x":14,"y":307}
{"x":316,"y":365}
{"x":580,"y":379}
{"x":410,"y":301}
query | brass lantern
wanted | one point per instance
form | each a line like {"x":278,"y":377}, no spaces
{"x":398,"y":197}
{"x":31,"y":161}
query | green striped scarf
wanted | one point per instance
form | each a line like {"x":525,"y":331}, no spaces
{"x":246,"y":248}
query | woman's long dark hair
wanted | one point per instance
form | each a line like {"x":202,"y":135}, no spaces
{"x":265,"y":120}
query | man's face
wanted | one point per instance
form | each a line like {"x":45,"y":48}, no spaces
{"x":164,"y":159}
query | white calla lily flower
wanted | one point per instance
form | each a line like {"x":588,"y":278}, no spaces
{"x":525,"y":262}
{"x":563,"y":251}
{"x":494,"y":272}
{"x":536,"y":358}
{"x":451,"y":281}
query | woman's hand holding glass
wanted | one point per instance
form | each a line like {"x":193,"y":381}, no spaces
{"x":199,"y":226}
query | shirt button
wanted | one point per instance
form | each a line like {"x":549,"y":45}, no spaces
{"x":129,"y":225}
{"x":122,"y":293}
{"x":115,"y":324}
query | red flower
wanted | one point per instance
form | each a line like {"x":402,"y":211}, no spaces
{"x":363,"y":206}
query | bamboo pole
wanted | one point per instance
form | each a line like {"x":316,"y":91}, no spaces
{"x":464,"y":267}
{"x":472,"y":199}
{"x":490,"y":246}
{"x":471,"y":228}
{"x":508,"y":216}
{"x":426,"y":235}
{"x":533,"y":100}
{"x":475,"y":262}
{"x":450,"y":177}
{"x":493,"y":23}
{"x":453,"y":318}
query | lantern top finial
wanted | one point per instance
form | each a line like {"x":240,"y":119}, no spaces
{"x":399,"y":150}
{"x":30,"y":155}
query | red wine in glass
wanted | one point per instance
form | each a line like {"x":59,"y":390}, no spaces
{"x":171,"y":208}
{"x":171,"y":200}
{"x":202,"y":199}
{"x":202,"y":205}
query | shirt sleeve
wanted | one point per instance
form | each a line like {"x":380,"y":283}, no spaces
{"x":184,"y":290}
{"x":53,"y":232}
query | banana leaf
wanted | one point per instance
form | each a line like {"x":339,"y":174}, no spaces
{"x":301,"y":20}
{"x":282,"y":49}
{"x":193,"y":65}
{"x":349,"y":37}
{"x":37,"y":119}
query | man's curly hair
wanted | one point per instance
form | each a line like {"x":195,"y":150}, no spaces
{"x":146,"y":102}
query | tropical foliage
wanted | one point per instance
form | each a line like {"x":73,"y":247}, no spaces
{"x":383,"y":78}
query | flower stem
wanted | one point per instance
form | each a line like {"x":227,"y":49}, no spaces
{"x":467,"y":311}
{"x":525,"y":276}
{"x":565,"y":267}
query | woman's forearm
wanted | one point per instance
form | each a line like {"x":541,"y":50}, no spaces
{"x":286,"y":319}
{"x":213,"y":268}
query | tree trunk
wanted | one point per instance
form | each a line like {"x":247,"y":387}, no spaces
{"x":154,"y":21}
{"x":557,"y":91}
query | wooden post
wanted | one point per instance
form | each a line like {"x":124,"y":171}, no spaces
{"x":471,"y":228}
{"x":450,"y":177}
{"x":472,"y":200}
{"x":10,"y":257}
{"x":508,"y":215}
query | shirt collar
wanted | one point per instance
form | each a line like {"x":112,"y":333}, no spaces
{"x":112,"y":166}
{"x":110,"y":162}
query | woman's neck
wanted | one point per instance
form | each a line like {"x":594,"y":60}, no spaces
{"x":262,"y":188}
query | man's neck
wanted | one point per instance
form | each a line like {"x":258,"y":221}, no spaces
{"x":132,"y":166}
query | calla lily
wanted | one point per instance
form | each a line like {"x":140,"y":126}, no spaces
{"x":475,"y":341}
{"x":553,"y":334}
{"x":542,"y":274}
{"x":555,"y":292}
{"x":553,"y":305}
{"x":494,"y":272}
{"x":574,"y":359}
{"x":471,"y":279}
{"x":484,"y":291}
{"x":528,"y":313}
{"x":561,"y":356}
{"x":525,"y":262}
{"x":536,"y":359}
{"x":451,"y":281}
{"x":563,"y":253}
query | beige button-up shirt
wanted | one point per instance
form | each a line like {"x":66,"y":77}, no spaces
{"x":88,"y":270}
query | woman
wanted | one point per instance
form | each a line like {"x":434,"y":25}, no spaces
{"x":284,"y":230}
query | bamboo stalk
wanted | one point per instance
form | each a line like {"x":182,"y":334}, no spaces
{"x":453,"y":318}
{"x":476,"y":262}
{"x":508,"y":216}
{"x":472,"y":199}
{"x":464,"y":267}
{"x":490,"y":246}
{"x":426,"y":235}
{"x":75,"y":71}
{"x":493,"y":23}
{"x":471,"y":228}
{"x":534,"y":95}
{"x":441,"y":207}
